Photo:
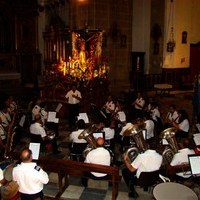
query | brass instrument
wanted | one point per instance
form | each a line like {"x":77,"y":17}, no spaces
{"x":168,"y":153}
{"x":140,"y":144}
{"x":88,"y":136}
{"x":10,"y":136}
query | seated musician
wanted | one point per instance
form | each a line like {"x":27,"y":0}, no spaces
{"x":5,"y":116}
{"x":149,"y":126}
{"x":183,"y":125}
{"x":2,"y":139}
{"x":38,"y":134}
{"x":78,"y":145}
{"x":148,"y":161}
{"x":100,"y":156}
{"x":185,"y":149}
{"x":109,"y":108}
{"x":172,"y":116}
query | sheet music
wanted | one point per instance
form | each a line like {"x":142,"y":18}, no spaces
{"x":195,"y":164}
{"x":59,"y":106}
{"x":52,"y":117}
{"x":35,"y":148}
{"x":196,"y":138}
{"x":22,"y":120}
{"x":83,"y":116}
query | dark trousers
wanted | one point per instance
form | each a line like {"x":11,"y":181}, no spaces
{"x":73,"y":113}
{"x":130,"y":179}
{"x":38,"y":196}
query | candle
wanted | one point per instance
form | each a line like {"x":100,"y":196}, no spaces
{"x":64,"y":68}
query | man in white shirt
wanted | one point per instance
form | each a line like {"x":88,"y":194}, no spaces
{"x":148,"y":161}
{"x":38,"y":134}
{"x":30,"y":177}
{"x":100,"y":156}
{"x":73,"y":99}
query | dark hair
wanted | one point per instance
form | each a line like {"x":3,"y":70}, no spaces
{"x":183,"y":115}
{"x":173,"y":106}
{"x":81,"y":124}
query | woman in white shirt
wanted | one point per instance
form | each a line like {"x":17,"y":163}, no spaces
{"x":183,"y":124}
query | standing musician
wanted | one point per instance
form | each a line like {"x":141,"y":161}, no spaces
{"x":5,"y":116}
{"x":148,"y":161}
{"x":100,"y":156}
{"x":30,"y":177}
{"x":73,"y":97}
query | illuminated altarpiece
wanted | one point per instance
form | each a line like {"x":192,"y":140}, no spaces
{"x":75,"y":56}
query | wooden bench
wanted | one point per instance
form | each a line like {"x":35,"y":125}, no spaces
{"x":66,"y":168}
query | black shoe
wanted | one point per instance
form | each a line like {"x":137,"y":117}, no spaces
{"x":133,"y":194}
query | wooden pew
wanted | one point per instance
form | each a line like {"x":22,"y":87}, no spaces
{"x":66,"y":168}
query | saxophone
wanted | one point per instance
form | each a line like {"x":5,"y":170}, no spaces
{"x":10,"y":136}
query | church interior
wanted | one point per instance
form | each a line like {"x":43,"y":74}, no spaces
{"x":106,"y":48}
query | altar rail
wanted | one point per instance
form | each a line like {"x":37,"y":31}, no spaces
{"x":66,"y":168}
{"x":178,"y":78}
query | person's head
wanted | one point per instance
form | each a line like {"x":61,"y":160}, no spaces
{"x":153,"y":143}
{"x":186,"y":143}
{"x":74,"y":87}
{"x":26,"y":155}
{"x":100,"y":142}
{"x":38,"y":118}
{"x":81,"y":124}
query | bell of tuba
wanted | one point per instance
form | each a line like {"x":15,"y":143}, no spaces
{"x":169,"y":135}
{"x":168,"y":153}
{"x":135,"y":131}
{"x":88,"y":136}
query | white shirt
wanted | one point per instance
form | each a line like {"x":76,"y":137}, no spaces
{"x":184,"y":125}
{"x":125,"y":127}
{"x":5,"y":117}
{"x":173,"y":116}
{"x":109,"y":133}
{"x":36,"y":110}
{"x":149,"y":126}
{"x":99,"y":156}
{"x":30,"y":178}
{"x":37,"y":129}
{"x":2,"y":133}
{"x":181,"y":157}
{"x":148,"y":161}
{"x":141,"y":102}
{"x":155,"y":113}
{"x":72,"y":100}
{"x":74,"y":136}
{"x":1,"y":175}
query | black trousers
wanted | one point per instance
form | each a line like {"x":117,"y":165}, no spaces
{"x":73,"y":113}
{"x":130,"y":179}
{"x":38,"y":196}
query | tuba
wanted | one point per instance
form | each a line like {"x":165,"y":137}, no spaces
{"x":135,"y":131}
{"x":168,"y":153}
{"x":88,"y":136}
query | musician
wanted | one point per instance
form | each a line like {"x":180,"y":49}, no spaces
{"x":2,"y":138}
{"x":11,"y":104}
{"x":5,"y":116}
{"x":148,"y":161}
{"x":29,"y":177}
{"x":37,"y":129}
{"x":138,"y":106}
{"x":183,"y":124}
{"x":172,"y":116}
{"x":78,"y":145}
{"x":101,"y":156}
{"x":185,"y":149}
{"x":149,"y":126}
{"x":73,"y":97}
